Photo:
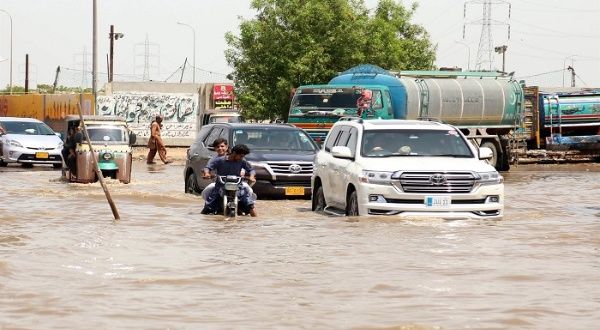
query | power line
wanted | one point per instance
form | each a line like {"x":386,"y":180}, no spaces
{"x":541,"y":74}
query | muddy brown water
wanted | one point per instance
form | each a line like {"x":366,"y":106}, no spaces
{"x":65,"y":264}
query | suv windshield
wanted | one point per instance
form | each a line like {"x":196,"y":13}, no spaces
{"x":273,"y":139}
{"x":27,"y":128}
{"x":386,"y":143}
{"x":106,"y":134}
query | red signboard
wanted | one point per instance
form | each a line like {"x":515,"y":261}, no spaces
{"x":223,"y":92}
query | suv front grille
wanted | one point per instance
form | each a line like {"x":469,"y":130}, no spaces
{"x":305,"y":168}
{"x":437,"y":182}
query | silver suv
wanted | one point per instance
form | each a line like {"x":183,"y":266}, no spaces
{"x":405,"y":168}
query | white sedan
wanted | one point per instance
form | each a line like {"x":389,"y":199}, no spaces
{"x":29,"y":141}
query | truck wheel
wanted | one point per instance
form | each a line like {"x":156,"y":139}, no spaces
{"x":504,"y":159}
{"x":494,"y":160}
{"x":318,"y":202}
{"x":352,"y":204}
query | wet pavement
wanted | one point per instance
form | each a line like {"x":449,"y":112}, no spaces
{"x":64,"y":263}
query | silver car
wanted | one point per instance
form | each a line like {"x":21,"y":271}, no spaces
{"x":29,"y":141}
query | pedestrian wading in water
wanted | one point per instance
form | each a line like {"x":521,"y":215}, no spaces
{"x":155,"y":142}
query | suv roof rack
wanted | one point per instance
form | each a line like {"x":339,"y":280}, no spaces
{"x":356,"y":119}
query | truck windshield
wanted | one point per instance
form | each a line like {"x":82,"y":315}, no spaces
{"x":273,"y":139}
{"x":430,"y":143}
{"x":327,"y":99}
{"x":105,"y":134}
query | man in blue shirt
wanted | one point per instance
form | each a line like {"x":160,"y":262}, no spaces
{"x":232,"y":164}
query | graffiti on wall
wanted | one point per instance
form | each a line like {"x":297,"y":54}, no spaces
{"x":179,"y":112}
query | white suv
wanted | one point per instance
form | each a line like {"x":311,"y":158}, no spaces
{"x":405,"y":168}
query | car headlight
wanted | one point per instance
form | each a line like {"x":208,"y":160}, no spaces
{"x":490,"y":178}
{"x":60,"y":145}
{"x":15,"y":143}
{"x":376,"y":177}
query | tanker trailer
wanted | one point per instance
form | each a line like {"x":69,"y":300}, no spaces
{"x":487,"y":110}
{"x":486,"y":106}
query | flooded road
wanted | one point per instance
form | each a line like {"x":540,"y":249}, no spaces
{"x":65,"y":264}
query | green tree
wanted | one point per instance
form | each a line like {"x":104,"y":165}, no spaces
{"x":295,"y":42}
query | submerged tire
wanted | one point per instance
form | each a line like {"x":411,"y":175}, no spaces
{"x":352,"y":204}
{"x":191,"y":185}
{"x":318,"y":201}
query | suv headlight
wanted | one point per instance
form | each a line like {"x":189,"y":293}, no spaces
{"x":376,"y":177}
{"x":15,"y":143}
{"x":60,"y":145}
{"x":490,"y":178}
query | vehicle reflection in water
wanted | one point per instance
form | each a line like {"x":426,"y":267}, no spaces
{"x":65,"y":263}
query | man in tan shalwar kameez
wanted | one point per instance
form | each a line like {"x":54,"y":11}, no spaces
{"x":155,"y":143}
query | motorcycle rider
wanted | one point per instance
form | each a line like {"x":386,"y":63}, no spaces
{"x":232,"y":164}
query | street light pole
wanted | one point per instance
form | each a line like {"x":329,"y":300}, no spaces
{"x":94,"y":55}
{"x":11,"y":48}
{"x":194,"y":53}
{"x":112,"y":36}
{"x":502,"y":50}
{"x":565,"y":68}
{"x":469,"y":54}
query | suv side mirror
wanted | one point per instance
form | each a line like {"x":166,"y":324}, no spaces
{"x":341,"y":152}
{"x":485,"y":153}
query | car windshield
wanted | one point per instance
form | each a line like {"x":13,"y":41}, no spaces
{"x":328,"y":99}
{"x":108,"y":134}
{"x":27,"y":128}
{"x":388,"y":143}
{"x":273,"y":139}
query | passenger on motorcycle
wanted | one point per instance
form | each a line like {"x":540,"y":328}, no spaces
{"x":232,"y":164}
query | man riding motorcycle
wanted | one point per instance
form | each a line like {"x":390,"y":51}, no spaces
{"x":232,"y":164}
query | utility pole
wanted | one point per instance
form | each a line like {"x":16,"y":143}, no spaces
{"x":11,"y":49}
{"x":183,"y":70}
{"x":55,"y":79}
{"x":26,"y":73}
{"x":484,"y":52}
{"x":112,"y":36}
{"x":94,"y":57}
{"x":570,"y":68}
{"x":502,"y":50}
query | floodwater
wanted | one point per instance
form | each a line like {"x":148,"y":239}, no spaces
{"x":64,"y":263}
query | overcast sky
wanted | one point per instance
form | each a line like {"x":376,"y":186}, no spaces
{"x":544,"y":36}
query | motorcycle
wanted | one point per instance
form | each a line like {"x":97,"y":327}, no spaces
{"x":232,"y":185}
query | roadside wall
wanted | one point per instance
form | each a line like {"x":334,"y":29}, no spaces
{"x":49,"y":108}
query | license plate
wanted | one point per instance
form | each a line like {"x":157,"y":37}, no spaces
{"x":43,"y":155}
{"x":437,"y":201}
{"x":294,"y":191}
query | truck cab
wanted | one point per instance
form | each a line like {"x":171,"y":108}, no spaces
{"x":315,"y":108}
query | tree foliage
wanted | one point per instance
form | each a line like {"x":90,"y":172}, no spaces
{"x":297,"y":42}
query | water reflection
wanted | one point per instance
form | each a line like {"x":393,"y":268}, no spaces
{"x":64,"y":262}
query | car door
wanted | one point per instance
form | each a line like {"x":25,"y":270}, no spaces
{"x":337,"y":168}
{"x":323,"y":160}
